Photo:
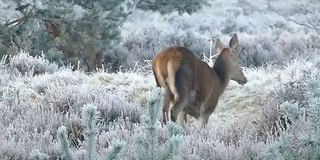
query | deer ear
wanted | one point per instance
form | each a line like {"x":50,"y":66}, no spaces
{"x":219,"y":46}
{"x":234,"y":42}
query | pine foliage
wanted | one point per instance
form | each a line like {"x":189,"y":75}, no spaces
{"x":45,"y":24}
{"x":148,"y":145}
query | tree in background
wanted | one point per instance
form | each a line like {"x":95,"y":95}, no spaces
{"x":80,"y":29}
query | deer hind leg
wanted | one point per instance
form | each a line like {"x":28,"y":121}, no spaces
{"x":168,"y":96}
{"x":172,"y":68}
{"x":182,"y":86}
{"x":90,"y":61}
{"x":178,"y":104}
{"x":177,"y":108}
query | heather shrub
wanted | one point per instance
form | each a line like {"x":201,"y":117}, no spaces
{"x":277,"y":49}
{"x":4,"y":76}
{"x":144,"y":45}
{"x":90,"y":120}
{"x":70,"y":98}
{"x":277,"y":46}
{"x":277,"y":41}
{"x":25,"y":64}
{"x":301,"y":138}
{"x":146,"y":144}
{"x":232,"y":141}
{"x":272,"y":119}
{"x":32,"y":109}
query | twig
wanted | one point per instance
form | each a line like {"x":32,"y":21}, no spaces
{"x":18,"y":21}
{"x":21,"y":8}
{"x":61,"y":20}
{"x":290,"y":19}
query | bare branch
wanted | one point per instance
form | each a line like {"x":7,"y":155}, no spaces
{"x":54,"y":20}
{"x":81,"y":4}
{"x":290,"y":19}
{"x":18,"y":21}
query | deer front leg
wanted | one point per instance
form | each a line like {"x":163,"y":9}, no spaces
{"x":205,"y":112}
{"x":182,"y":118}
{"x":99,"y":59}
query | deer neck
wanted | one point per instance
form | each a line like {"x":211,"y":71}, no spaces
{"x":222,"y":69}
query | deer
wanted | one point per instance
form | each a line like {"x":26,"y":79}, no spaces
{"x":90,"y":55}
{"x":191,"y":86}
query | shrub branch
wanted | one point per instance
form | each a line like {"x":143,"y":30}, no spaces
{"x":290,"y":19}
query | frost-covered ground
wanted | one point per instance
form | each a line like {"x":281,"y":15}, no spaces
{"x":283,"y":53}
{"x":33,"y":107}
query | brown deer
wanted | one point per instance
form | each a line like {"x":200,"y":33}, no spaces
{"x":191,"y":85}
{"x":90,"y":55}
